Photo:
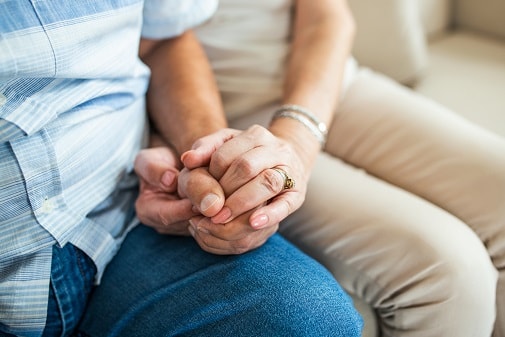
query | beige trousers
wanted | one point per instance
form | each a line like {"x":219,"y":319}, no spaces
{"x":406,"y":207}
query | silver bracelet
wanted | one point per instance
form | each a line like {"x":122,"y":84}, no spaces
{"x":309,"y":124}
{"x":304,"y":111}
{"x":317,"y":127}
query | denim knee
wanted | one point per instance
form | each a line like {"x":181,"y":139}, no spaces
{"x":275,"y":290}
{"x":298,"y":297}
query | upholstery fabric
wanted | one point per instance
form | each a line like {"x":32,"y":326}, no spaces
{"x":390,"y":38}
{"x":486,"y":16}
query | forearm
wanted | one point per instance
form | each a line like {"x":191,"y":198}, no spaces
{"x":182,"y":100}
{"x":322,"y":41}
{"x":321,"y":46}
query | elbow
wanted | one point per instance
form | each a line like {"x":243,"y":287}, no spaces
{"x":341,"y":20}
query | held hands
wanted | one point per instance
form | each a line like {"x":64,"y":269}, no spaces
{"x":248,"y":167}
{"x":232,"y":189}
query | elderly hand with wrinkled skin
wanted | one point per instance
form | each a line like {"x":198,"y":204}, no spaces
{"x":242,"y":163}
{"x":233,"y":237}
{"x":162,"y":208}
{"x":158,"y":204}
{"x":227,"y":197}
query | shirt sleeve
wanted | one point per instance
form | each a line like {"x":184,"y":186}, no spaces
{"x":168,"y":18}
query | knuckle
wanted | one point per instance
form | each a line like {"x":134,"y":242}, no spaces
{"x":245,"y":167}
{"x":218,"y":159}
{"x":257,"y":130}
{"x":257,"y":134}
{"x":288,"y":206}
{"x":203,"y":240}
{"x":243,"y":245}
{"x":239,"y":250}
{"x":163,"y":220}
{"x":191,"y":180}
{"x":272,"y":181}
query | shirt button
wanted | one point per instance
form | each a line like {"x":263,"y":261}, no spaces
{"x":47,"y":205}
{"x":3,"y":99}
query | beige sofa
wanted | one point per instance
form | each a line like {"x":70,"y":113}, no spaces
{"x":452,"y":51}
{"x":466,"y":69}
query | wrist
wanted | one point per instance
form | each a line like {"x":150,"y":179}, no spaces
{"x":299,"y":137}
{"x":306,"y":118}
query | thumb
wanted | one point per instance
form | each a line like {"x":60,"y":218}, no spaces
{"x":158,"y":167}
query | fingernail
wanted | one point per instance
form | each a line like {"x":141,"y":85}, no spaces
{"x":259,"y":221}
{"x":167,"y":179}
{"x":208,"y":201}
{"x":223,"y":216}
{"x":184,"y":155}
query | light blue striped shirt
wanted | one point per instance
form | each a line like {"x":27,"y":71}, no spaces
{"x":72,"y":119}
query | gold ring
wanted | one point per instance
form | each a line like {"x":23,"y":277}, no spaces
{"x":288,"y":181}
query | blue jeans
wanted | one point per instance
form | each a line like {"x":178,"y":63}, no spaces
{"x":72,"y":275}
{"x":167,"y":286}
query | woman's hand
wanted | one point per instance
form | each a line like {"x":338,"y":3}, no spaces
{"x":245,"y":164}
{"x":233,"y":237}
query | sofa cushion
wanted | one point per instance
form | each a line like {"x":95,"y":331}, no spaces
{"x":467,"y":75}
{"x":390,"y":38}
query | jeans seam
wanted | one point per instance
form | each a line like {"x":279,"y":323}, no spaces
{"x":82,"y":262}
{"x":79,"y":263}
{"x":59,"y":305}
{"x":71,"y":271}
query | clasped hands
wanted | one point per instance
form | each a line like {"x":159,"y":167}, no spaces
{"x":227,"y":195}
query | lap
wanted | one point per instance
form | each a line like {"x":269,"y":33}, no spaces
{"x":164,"y":286}
{"x":408,"y":258}
{"x":401,"y":137}
{"x":406,"y":208}
{"x":422,"y":147}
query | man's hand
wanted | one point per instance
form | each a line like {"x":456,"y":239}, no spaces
{"x":234,"y":237}
{"x":158,"y":205}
